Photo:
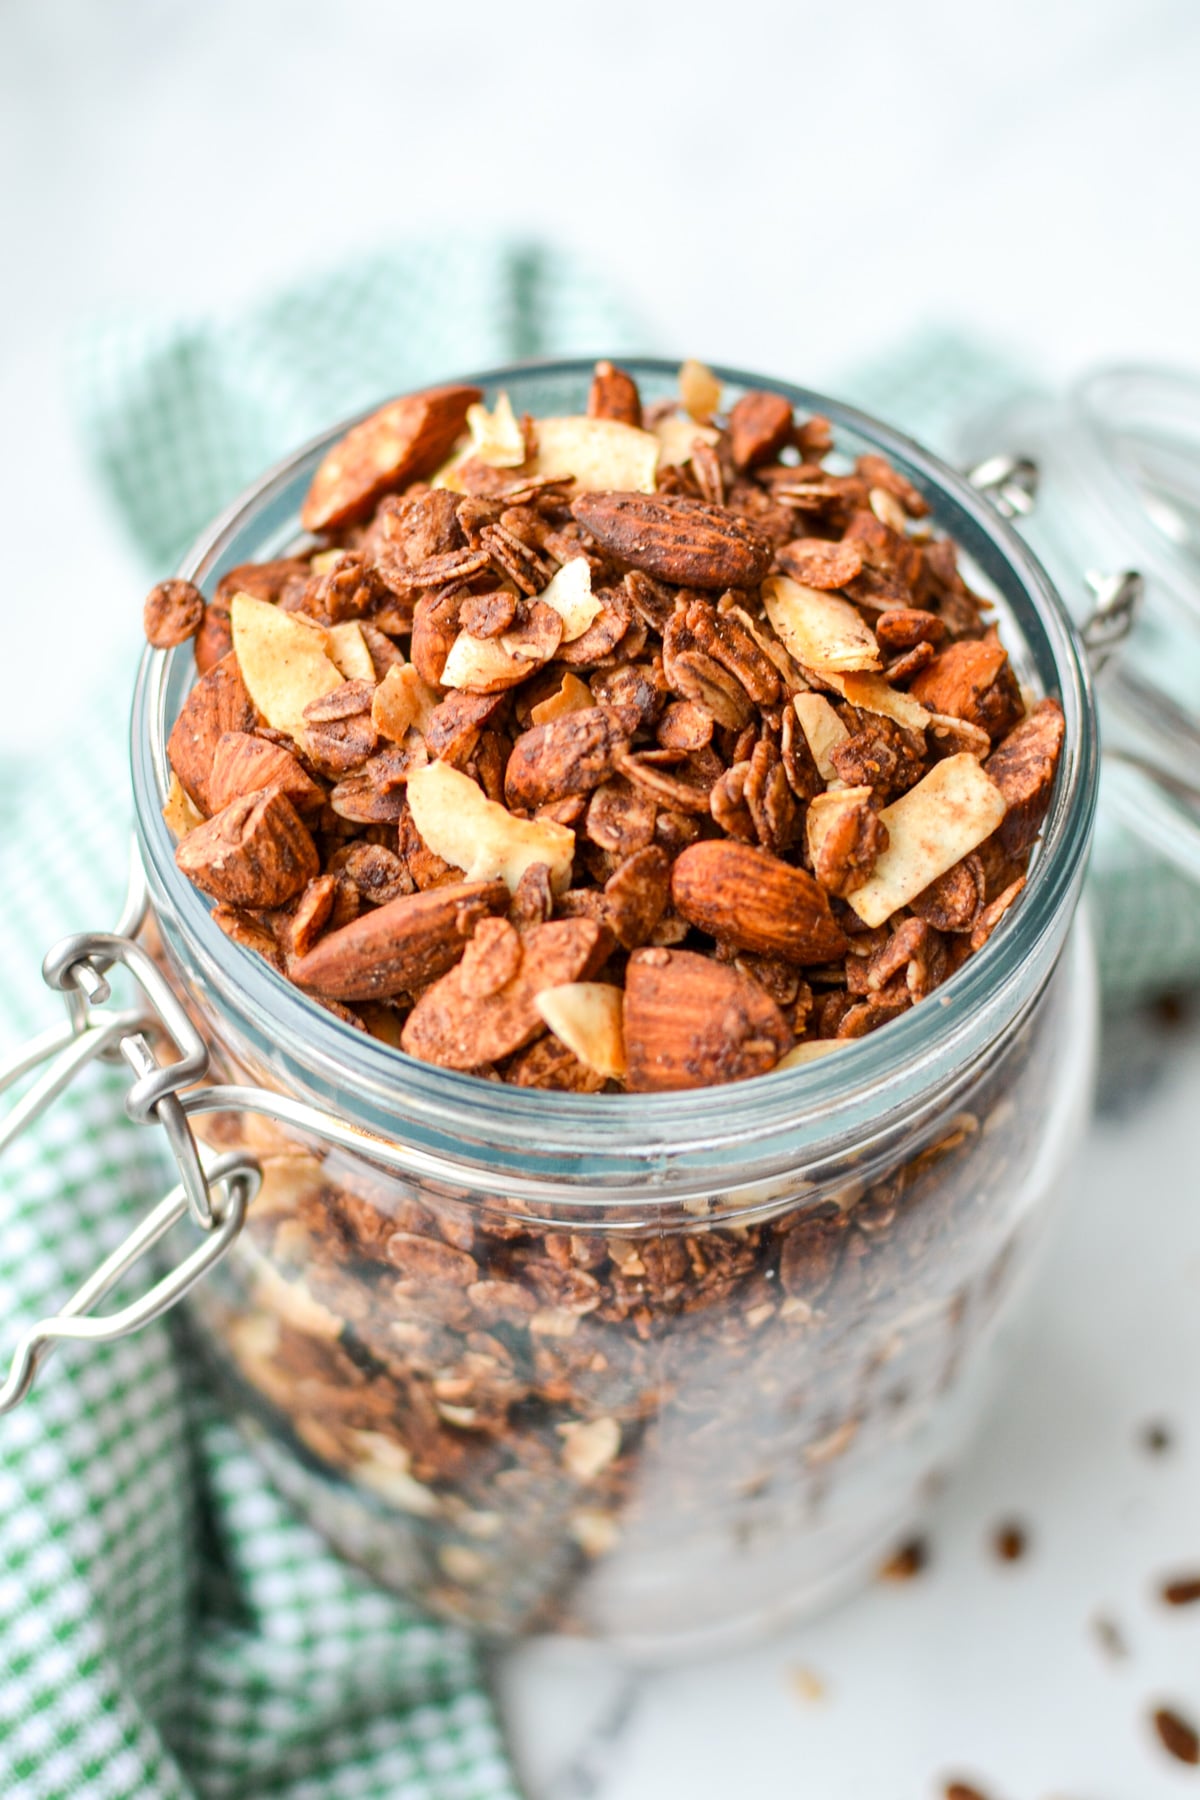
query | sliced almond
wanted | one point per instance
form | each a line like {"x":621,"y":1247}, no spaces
{"x":572,"y":696}
{"x":823,"y":730}
{"x":597,"y":454}
{"x":947,"y":815}
{"x":570,"y":594}
{"x":874,"y":694}
{"x":283,"y":661}
{"x":460,"y":824}
{"x":813,"y":1051}
{"x":821,"y":630}
{"x":401,"y":701}
{"x":348,"y":649}
{"x":180,"y":814}
{"x":586,"y":1016}
{"x":676,"y":436}
{"x":496,"y":436}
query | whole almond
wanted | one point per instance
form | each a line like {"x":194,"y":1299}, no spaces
{"x":691,"y":1022}
{"x":217,"y":704}
{"x":748,"y":898}
{"x":255,"y":852}
{"x":614,"y":395}
{"x":405,"y":438}
{"x":676,"y":538}
{"x":972,"y":680}
{"x":245,"y":764}
{"x":759,"y":425}
{"x":1023,"y":768}
{"x":399,"y":946}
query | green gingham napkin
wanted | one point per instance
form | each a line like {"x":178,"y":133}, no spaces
{"x":168,"y":1628}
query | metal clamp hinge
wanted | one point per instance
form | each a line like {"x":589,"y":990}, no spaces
{"x":216,"y":1197}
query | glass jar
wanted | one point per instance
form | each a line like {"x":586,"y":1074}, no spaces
{"x":654,"y":1369}
{"x":1116,"y":462}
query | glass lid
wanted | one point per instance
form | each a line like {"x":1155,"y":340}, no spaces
{"x":1116,"y":520}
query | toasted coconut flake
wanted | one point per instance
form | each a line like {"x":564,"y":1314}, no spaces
{"x":482,"y":665}
{"x":488,"y":665}
{"x":589,"y":1446}
{"x":699,"y":389}
{"x":822,"y":729}
{"x":874,"y":694}
{"x":496,"y":436}
{"x":401,"y":701}
{"x":676,"y":435}
{"x":572,"y":696}
{"x":888,"y":510}
{"x":325,"y":560}
{"x":586,"y":1016}
{"x":599,"y":455}
{"x":821,"y":630}
{"x":348,"y":649}
{"x":813,"y":1051}
{"x":570,"y":594}
{"x":459,"y":824}
{"x":947,"y":815}
{"x":283,"y":659}
{"x":180,"y":814}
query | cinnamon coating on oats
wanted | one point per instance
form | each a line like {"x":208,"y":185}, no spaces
{"x":673,"y":645}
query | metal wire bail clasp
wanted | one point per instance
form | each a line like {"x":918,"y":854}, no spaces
{"x":215,"y":1198}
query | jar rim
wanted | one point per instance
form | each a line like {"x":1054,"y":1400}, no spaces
{"x":850,"y":1094}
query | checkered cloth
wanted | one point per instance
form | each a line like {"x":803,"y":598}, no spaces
{"x":168,"y":1627}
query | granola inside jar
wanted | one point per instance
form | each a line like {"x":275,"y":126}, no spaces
{"x":651,"y":1367}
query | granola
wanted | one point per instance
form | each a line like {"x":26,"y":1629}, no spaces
{"x":635,"y":752}
{"x":733,"y":699}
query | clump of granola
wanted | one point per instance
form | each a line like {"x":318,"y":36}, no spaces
{"x":641,"y":749}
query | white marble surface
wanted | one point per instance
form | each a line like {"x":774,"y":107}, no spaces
{"x":787,"y":196}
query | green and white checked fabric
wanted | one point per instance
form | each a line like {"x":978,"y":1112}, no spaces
{"x":169,"y":1630}
{"x":180,"y":416}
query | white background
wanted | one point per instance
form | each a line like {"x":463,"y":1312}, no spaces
{"x":784,"y":185}
{"x":788,"y":187}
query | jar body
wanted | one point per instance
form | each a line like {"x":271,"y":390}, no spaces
{"x":651,"y":1368}
{"x":665,"y":1433}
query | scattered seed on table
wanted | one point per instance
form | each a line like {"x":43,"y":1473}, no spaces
{"x":1010,"y":1541}
{"x":1177,"y":1735}
{"x":906,"y":1561}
